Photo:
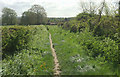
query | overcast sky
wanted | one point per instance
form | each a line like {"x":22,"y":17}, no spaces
{"x":54,"y":8}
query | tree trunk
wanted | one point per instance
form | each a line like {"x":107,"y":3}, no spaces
{"x":119,"y":11}
{"x":101,"y":10}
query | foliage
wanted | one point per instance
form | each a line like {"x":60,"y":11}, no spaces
{"x":33,"y":59}
{"x":83,"y":54}
{"x":28,"y":17}
{"x":83,"y":16}
{"x":35,"y":15}
{"x":9,"y":16}
{"x":107,"y":27}
{"x":14,"y":38}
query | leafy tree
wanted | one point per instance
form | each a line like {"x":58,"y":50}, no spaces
{"x":41,"y":15}
{"x":28,"y":18}
{"x":9,"y":16}
{"x":83,"y":16}
{"x":36,"y":15}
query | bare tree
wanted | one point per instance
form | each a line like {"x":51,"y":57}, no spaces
{"x":88,"y":7}
{"x":119,"y":10}
{"x":101,"y":10}
{"x":83,"y":5}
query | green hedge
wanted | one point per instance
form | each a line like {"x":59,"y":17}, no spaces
{"x":14,"y":38}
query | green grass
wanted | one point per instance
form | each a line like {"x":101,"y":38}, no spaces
{"x":35,"y":59}
{"x":75,"y":57}
{"x":78,"y":53}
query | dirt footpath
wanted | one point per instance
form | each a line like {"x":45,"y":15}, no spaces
{"x":56,"y":67}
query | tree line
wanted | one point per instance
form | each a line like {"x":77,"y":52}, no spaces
{"x":101,"y":19}
{"x":36,"y":15}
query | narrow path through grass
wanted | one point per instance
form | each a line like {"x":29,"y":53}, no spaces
{"x":56,"y":67}
{"x":73,"y":54}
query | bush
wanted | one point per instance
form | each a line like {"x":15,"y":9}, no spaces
{"x":66,"y":26}
{"x":106,"y":27}
{"x":33,"y":55}
{"x":95,"y":47}
{"x":14,"y":38}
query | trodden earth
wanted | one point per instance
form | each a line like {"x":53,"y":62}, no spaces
{"x":56,"y":62}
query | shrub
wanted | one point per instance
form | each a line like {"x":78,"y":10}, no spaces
{"x":14,"y":38}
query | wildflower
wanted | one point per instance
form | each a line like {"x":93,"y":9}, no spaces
{"x":41,"y":65}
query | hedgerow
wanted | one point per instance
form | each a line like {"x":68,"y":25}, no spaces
{"x":31,"y":54}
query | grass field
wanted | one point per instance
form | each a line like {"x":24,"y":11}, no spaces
{"x":74,"y":56}
{"x":76,"y":52}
